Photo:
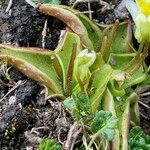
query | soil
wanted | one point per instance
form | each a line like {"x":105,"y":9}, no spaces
{"x":25,"y":116}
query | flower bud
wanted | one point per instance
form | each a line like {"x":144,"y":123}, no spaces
{"x":142,"y":32}
{"x":82,"y":63}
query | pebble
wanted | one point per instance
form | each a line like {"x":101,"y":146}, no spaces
{"x":12,"y":100}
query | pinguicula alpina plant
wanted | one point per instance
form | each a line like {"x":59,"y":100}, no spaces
{"x":92,"y":71}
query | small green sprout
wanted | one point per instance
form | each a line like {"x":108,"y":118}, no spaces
{"x":49,"y":144}
{"x":103,"y":124}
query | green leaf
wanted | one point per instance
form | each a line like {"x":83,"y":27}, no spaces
{"x":64,"y":53}
{"x":122,"y":39}
{"x":99,"y":83}
{"x":35,"y":63}
{"x":78,"y":104}
{"x":104,"y":124}
{"x":108,"y":103}
{"x":69,"y":104}
{"x":118,"y":61}
{"x":134,"y":108}
{"x":99,"y":62}
{"x":117,"y":79}
{"x":123,"y":115}
{"x":49,"y":144}
{"x":137,"y":78}
{"x":93,"y":30}
{"x":52,"y":2}
{"x":73,"y":22}
{"x":138,"y":140}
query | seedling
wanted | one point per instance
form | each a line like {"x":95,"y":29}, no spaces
{"x":49,"y":144}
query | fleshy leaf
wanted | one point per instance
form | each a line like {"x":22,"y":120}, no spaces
{"x":33,"y":62}
{"x":108,"y":104}
{"x":117,"y":79}
{"x":118,"y":61}
{"x":137,"y":78}
{"x":99,"y":62}
{"x":104,"y":124}
{"x":99,"y":83}
{"x":124,"y":125}
{"x":70,"y":19}
{"x":123,"y":114}
{"x":122,"y":39}
{"x":65,"y":54}
{"x":93,"y":30}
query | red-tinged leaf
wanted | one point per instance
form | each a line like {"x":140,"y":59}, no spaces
{"x":94,"y":32}
{"x":63,"y":56}
{"x":70,"y":19}
{"x":33,"y":62}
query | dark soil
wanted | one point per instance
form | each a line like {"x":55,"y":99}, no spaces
{"x":24,"y":26}
{"x":24,"y":113}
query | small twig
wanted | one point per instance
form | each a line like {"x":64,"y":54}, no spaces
{"x":85,"y":142}
{"x":76,"y":2}
{"x":34,"y":130}
{"x":145,"y":94}
{"x":105,"y":7}
{"x":89,"y":8}
{"x":83,"y":12}
{"x":59,"y":133}
{"x":144,"y":90}
{"x":9,"y":5}
{"x":32,"y":138}
{"x":44,"y":33}
{"x":144,"y":104}
{"x":11,"y":90}
{"x":143,"y":116}
{"x":30,"y":2}
{"x":72,"y":136}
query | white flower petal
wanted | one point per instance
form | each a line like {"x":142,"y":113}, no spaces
{"x":83,"y":53}
{"x":132,"y":8}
